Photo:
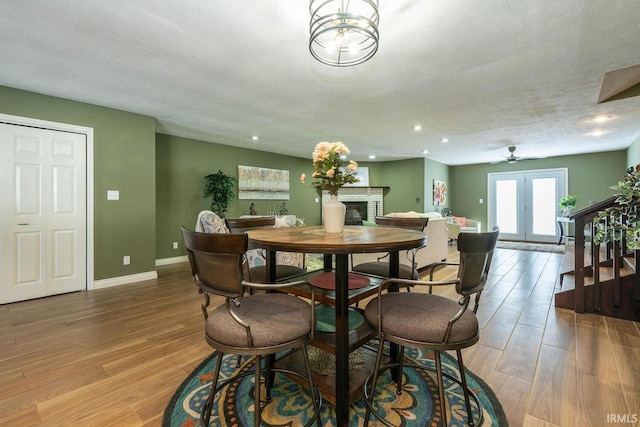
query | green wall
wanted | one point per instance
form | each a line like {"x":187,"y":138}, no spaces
{"x":124,"y":160}
{"x":181,"y":165}
{"x":160,"y":180}
{"x":633,"y":153}
{"x":590,"y":178}
{"x":434,"y":170}
{"x":405,"y":179}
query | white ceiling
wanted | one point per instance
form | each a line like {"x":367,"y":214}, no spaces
{"x":484,"y":74}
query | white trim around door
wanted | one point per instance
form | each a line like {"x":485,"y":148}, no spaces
{"x":88,"y":132}
{"x":524,"y":204}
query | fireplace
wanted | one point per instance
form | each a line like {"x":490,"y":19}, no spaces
{"x":356,"y":212}
{"x":367,"y":202}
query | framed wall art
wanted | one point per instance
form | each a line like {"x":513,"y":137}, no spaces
{"x":262,"y":183}
{"x":439,"y":192}
{"x":362,"y":173}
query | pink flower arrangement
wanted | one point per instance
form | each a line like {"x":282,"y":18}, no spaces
{"x":329,"y":171}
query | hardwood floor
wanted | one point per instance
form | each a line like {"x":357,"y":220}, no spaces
{"x":115,"y":356}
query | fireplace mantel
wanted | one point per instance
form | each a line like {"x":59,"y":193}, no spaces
{"x":349,"y":187}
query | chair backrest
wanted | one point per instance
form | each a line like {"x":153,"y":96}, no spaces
{"x":417,"y":224}
{"x":240,"y":225}
{"x":476,"y":253}
{"x":216,"y":261}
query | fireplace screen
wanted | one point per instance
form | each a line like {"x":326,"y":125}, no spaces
{"x":356,"y":213}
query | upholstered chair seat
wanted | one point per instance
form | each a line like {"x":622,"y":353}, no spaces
{"x":382,"y":269}
{"x":271,"y":319}
{"x":423,"y":317}
{"x":381,"y":266}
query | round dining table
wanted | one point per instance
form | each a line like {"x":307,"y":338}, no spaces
{"x":354,"y":239}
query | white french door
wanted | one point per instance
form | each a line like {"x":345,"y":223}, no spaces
{"x":43,"y":212}
{"x":525,"y":204}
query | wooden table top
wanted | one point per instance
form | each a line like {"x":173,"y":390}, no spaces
{"x":354,"y":239}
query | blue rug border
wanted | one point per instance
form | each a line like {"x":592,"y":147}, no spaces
{"x":500,"y":414}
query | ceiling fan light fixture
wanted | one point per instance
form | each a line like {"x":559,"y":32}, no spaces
{"x":343,"y":34}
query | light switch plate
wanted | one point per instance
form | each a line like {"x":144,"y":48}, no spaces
{"x":113,"y":195}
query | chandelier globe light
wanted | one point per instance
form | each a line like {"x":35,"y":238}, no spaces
{"x":343,"y":33}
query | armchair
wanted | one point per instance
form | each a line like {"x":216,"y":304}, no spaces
{"x":457,"y":225}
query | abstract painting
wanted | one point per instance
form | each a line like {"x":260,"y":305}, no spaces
{"x":439,"y":192}
{"x":262,"y":183}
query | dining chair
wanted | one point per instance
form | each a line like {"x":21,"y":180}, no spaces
{"x":381,"y":267}
{"x":240,"y":225}
{"x":433,"y":322}
{"x":288,"y":264}
{"x":259,"y":325}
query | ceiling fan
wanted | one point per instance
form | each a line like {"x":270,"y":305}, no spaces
{"x":512,"y":158}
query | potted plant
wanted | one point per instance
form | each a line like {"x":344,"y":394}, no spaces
{"x":219,"y":186}
{"x":622,"y":220}
{"x":567,"y":203}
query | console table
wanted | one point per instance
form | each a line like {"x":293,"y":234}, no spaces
{"x":562,"y":222}
{"x":354,"y":239}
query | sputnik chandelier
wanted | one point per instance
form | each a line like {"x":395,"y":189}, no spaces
{"x":343,"y":32}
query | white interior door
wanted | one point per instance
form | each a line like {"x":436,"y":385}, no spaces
{"x":525,"y":204}
{"x":43,"y":229}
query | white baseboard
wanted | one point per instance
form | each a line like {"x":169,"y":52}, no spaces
{"x":172,"y":260}
{"x":124,"y":280}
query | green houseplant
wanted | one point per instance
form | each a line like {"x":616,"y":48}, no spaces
{"x":567,"y":203}
{"x":622,"y":220}
{"x":219,"y":186}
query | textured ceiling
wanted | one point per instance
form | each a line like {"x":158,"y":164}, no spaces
{"x":484,"y":74}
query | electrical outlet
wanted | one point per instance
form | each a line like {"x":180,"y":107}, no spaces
{"x":175,"y":245}
{"x":126,"y":260}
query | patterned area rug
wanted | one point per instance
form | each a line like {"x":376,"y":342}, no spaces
{"x":536,"y":247}
{"x":418,"y":405}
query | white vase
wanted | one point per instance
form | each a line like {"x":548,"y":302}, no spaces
{"x":334,"y":212}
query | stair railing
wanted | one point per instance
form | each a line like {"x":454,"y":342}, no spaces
{"x":584,"y":220}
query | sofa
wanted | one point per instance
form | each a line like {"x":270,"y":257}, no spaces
{"x":457,"y":225}
{"x":437,"y":242}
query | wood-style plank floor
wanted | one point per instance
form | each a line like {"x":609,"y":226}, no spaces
{"x":115,"y":356}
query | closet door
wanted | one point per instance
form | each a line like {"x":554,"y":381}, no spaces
{"x":42,"y":212}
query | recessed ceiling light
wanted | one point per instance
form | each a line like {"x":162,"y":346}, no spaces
{"x":425,"y":151}
{"x":597,"y":132}
{"x":601,"y":119}
{"x":445,"y":140}
{"x":254,"y":137}
{"x":417,"y":128}
{"x":372,"y":156}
